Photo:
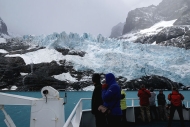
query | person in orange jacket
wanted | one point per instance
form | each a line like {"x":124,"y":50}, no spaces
{"x":176,"y":104}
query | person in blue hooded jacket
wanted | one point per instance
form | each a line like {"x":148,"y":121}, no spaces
{"x":111,"y":95}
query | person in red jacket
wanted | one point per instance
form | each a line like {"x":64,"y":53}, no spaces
{"x":176,"y":103}
{"x":144,"y":95}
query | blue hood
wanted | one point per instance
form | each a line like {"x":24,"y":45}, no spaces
{"x":110,"y":79}
{"x":112,"y":95}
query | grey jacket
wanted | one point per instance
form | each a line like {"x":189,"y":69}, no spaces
{"x":152,"y":98}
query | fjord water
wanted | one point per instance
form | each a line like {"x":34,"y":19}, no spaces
{"x":21,"y":114}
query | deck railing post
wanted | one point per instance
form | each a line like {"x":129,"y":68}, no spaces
{"x":132,"y":102}
{"x":8,"y":121}
{"x":187,"y":104}
{"x":78,"y":112}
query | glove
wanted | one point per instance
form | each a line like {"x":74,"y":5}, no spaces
{"x":104,"y":86}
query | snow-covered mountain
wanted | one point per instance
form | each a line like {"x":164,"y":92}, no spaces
{"x":86,"y":54}
{"x":145,"y":17}
{"x":162,"y":33}
{"x":154,"y":51}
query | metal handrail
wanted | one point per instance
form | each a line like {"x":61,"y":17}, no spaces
{"x":75,"y":114}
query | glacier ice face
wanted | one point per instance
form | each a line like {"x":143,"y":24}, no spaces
{"x":121,"y":57}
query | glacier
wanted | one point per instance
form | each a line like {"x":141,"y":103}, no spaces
{"x":121,"y":57}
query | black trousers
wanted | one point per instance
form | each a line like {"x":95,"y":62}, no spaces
{"x":180,"y":112}
{"x":124,"y":122}
{"x":153,"y":112}
{"x":113,"y":121}
{"x":100,"y":120}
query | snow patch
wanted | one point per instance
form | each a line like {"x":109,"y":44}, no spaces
{"x":13,"y":88}
{"x":65,"y":77}
{"x":3,"y":51}
{"x":89,"y":88}
{"x":39,"y":56}
{"x":157,"y":27}
{"x":23,"y":74}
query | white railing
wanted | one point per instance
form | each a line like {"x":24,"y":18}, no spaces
{"x":187,"y":103}
{"x":75,"y":116}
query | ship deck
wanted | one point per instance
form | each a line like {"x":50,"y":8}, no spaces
{"x":88,"y":120}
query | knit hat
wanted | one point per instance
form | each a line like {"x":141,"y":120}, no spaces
{"x":96,"y":78}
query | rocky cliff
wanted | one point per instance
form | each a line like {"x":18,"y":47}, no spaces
{"x":3,"y":28}
{"x":140,"y":18}
{"x":184,"y":19}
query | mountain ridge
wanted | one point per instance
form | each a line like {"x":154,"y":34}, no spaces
{"x":145,"y":17}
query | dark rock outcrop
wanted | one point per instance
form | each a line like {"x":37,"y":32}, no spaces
{"x":70,"y":52}
{"x":9,"y":70}
{"x":177,"y":36}
{"x":157,"y":82}
{"x":169,"y":33}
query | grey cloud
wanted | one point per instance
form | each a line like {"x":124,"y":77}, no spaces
{"x":48,"y":16}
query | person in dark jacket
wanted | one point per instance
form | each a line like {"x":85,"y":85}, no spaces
{"x":97,"y":101}
{"x":176,"y":104}
{"x":162,"y":105}
{"x":111,"y":95}
{"x":144,"y":95}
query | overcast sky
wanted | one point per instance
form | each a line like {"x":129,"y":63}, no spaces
{"x":78,"y":16}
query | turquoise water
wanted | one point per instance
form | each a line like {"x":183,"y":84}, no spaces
{"x":21,"y":114}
